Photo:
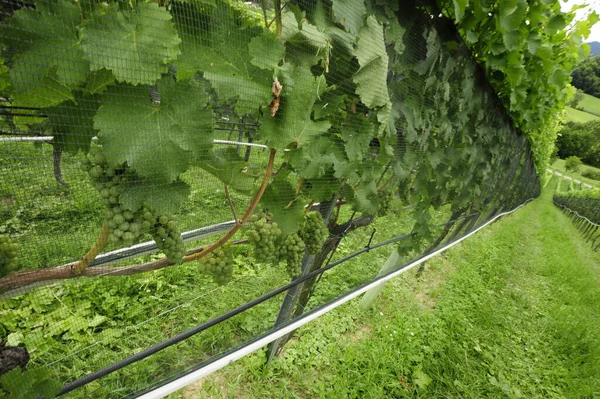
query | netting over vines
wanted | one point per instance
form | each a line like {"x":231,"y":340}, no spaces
{"x":164,"y":162}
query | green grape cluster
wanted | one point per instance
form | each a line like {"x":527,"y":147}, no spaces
{"x":292,"y":251}
{"x":218,"y":264}
{"x":263,"y":234}
{"x":384,"y":198}
{"x":8,"y":255}
{"x":166,"y":234}
{"x":313,"y":232}
{"x":125,"y":227}
{"x":404,"y":188}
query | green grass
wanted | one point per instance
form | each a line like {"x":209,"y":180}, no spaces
{"x":513,"y":312}
{"x":575,"y":115}
{"x":559,"y":165}
{"x":590,"y":104}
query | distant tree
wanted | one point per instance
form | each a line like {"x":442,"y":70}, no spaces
{"x":581,"y":140}
{"x":587,"y":76}
{"x":574,"y":103}
{"x":573,"y":163}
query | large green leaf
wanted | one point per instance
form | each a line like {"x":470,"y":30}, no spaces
{"x":72,"y":122}
{"x":371,"y":78}
{"x":293,"y":123}
{"x":239,"y":62}
{"x":357,"y":133}
{"x":227,"y":165}
{"x":46,"y":40}
{"x":134,"y":45}
{"x":158,"y":140}
{"x":280,"y":200}
{"x":350,"y":13}
{"x":48,"y":93}
{"x":163,"y":198}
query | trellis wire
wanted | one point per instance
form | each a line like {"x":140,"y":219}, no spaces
{"x":218,"y":363}
{"x":225,"y":316}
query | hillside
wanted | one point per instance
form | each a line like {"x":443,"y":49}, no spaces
{"x":588,"y":110}
{"x":594,"y":48}
{"x":575,"y":115}
{"x":590,"y":104}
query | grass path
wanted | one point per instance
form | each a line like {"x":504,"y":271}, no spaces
{"x":513,"y":312}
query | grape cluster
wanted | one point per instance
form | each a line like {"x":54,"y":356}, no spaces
{"x":218,"y":264}
{"x":292,"y":251}
{"x":384,"y":198}
{"x":124,"y":226}
{"x":313,"y":232}
{"x":404,"y":188}
{"x":8,"y":255}
{"x":263,"y":234}
{"x":166,"y":235}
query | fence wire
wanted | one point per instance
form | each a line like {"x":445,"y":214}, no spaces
{"x":171,"y":115}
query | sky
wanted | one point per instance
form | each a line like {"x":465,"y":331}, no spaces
{"x":592,"y":5}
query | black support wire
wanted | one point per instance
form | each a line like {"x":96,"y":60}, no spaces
{"x":234,"y":312}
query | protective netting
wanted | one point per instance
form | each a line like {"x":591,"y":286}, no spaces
{"x":131,"y":131}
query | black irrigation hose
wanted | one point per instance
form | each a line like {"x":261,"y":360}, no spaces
{"x":225,"y":316}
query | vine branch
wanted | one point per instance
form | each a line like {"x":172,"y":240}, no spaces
{"x":247,"y":214}
{"x":86,"y":259}
{"x":231,"y":204}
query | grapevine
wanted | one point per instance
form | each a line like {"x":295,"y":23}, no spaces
{"x":166,"y":235}
{"x":124,"y":225}
{"x":8,"y":255}
{"x":384,"y":198}
{"x":218,"y":264}
{"x":313,"y":232}
{"x":263,"y":233}
{"x":292,"y":251}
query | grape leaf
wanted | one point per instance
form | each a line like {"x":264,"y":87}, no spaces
{"x":512,"y":39}
{"x":72,"y":123}
{"x":357,"y":132}
{"x":512,"y":17}
{"x":48,"y":93}
{"x":350,"y":13}
{"x":157,"y":140}
{"x":280,"y":200}
{"x":163,"y":198}
{"x":364,"y":198}
{"x":266,"y":50}
{"x":293,"y":123}
{"x":317,"y":159}
{"x":98,"y":81}
{"x":371,"y":78}
{"x":227,"y":165}
{"x":460,"y":8}
{"x":227,"y":55}
{"x":135,"y":46}
{"x":47,"y":40}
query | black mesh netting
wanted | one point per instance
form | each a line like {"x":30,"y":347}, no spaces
{"x":137,"y":137}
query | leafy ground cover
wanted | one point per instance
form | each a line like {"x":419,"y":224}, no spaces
{"x":559,"y":166}
{"x":511,"y":312}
